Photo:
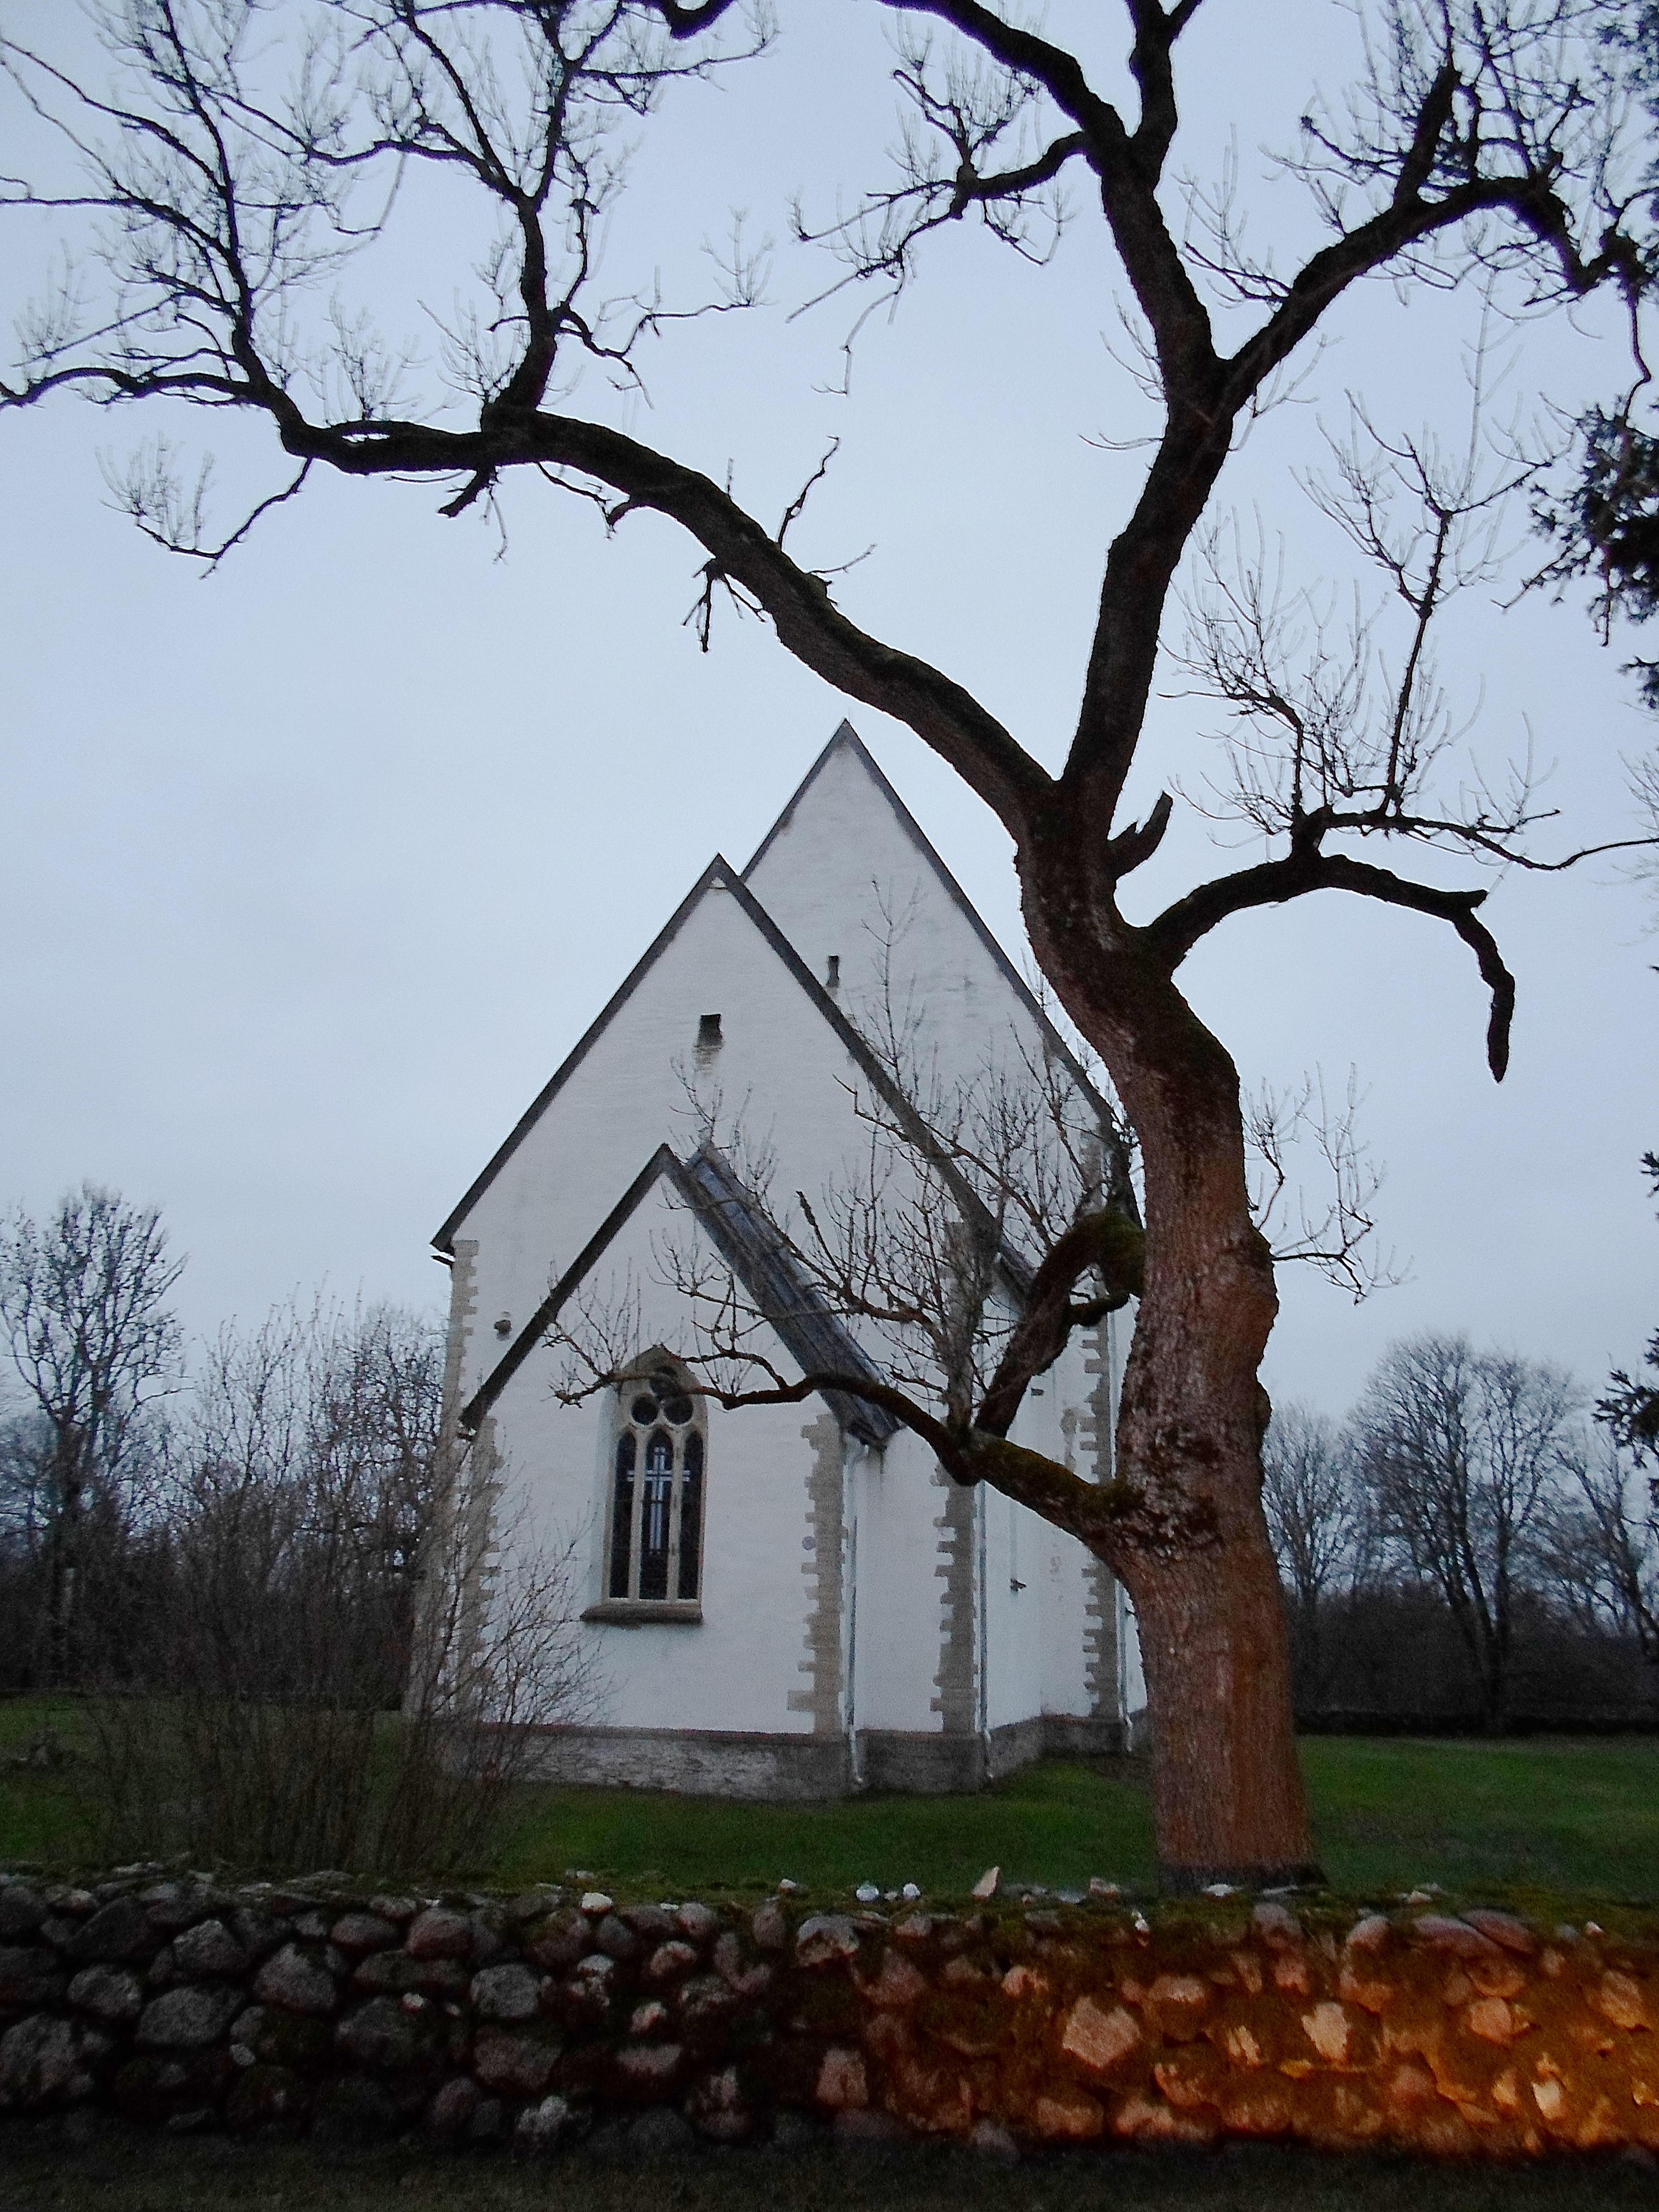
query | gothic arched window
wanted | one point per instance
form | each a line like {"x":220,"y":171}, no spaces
{"x":656,"y":1490}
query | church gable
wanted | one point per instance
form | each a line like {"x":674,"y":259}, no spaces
{"x":728,"y":1556}
{"x":704,"y":1196}
{"x":847,"y":873}
{"x":720,"y":1017}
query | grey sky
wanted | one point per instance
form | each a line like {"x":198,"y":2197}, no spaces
{"x":316,"y":868}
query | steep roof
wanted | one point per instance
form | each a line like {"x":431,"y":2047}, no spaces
{"x":757,"y":1254}
{"x":718,"y":875}
{"x":753,"y":1248}
{"x":846,"y":741}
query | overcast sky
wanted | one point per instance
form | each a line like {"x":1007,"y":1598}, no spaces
{"x":316,"y":867}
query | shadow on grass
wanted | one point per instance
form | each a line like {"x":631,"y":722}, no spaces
{"x":75,"y":2166}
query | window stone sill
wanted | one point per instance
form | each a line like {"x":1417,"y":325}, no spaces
{"x":642,"y":1612}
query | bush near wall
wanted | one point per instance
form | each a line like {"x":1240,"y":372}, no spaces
{"x":314,"y":2006}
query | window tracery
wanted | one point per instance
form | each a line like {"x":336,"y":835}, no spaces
{"x":657,"y":1490}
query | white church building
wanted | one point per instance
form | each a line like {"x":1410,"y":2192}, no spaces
{"x":785,"y":1600}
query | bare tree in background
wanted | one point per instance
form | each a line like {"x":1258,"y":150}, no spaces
{"x":95,"y":1345}
{"x":1631,"y":1408}
{"x":1465,"y":1454}
{"x":238,"y":164}
{"x":310,"y":1688}
{"x":1601,"y":1545}
{"x":1318,"y":1520}
{"x":1605,"y":1552}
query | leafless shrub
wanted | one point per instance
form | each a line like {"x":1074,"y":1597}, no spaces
{"x":309,"y":1673}
{"x":499,"y":1655}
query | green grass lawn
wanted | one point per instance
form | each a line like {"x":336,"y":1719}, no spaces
{"x":44,"y":1816}
{"x":1572,"y":1816}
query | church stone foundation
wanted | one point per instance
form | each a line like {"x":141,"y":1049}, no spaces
{"x":697,"y":1762}
{"x":706,"y":1763}
{"x":1053,"y":1736}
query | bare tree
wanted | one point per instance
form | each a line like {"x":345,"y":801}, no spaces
{"x":84,"y":1298}
{"x":1631,"y":1408}
{"x":311,"y":1645}
{"x":498,"y":1656}
{"x":1318,"y":1522}
{"x":1465,"y":1454}
{"x":227,"y":180}
{"x":1600,"y":1546}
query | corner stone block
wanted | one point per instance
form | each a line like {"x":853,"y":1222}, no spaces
{"x":645,"y":2070}
{"x":1622,"y":2002}
{"x":1327,"y":2028}
{"x":669,"y":1962}
{"x":452,"y":2110}
{"x":360,"y":1932}
{"x":383,"y":2036}
{"x":897,"y":1986}
{"x":1440,"y":1931}
{"x":719,"y":2107}
{"x":770,"y":1927}
{"x":558,"y":1939}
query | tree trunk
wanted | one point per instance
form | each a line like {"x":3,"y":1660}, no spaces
{"x":63,"y":1591}
{"x":1227,"y":1785}
{"x":1192,"y":1548}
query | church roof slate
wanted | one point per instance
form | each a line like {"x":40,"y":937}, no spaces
{"x":751,"y":1245}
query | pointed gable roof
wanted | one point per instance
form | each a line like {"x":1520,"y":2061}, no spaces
{"x":718,"y":875}
{"x":752,"y":1247}
{"x":846,"y":743}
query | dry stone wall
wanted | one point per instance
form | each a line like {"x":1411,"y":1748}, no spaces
{"x":181,"y":2003}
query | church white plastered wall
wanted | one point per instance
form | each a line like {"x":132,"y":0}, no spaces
{"x":841,"y":1615}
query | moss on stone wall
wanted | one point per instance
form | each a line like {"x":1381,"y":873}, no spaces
{"x":313,"y":2005}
